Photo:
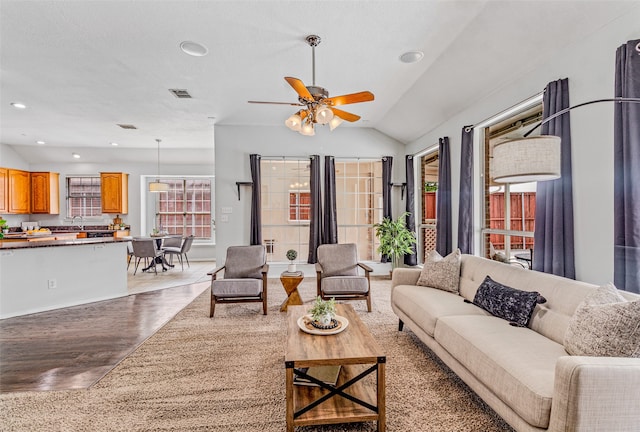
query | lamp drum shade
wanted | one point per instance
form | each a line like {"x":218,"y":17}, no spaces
{"x":158,"y":187}
{"x":527,"y":159}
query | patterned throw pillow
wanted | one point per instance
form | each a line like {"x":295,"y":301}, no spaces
{"x":513,"y":305}
{"x":605,"y":324}
{"x":441,"y":273}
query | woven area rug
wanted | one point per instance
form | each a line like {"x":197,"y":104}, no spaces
{"x":227,"y":374}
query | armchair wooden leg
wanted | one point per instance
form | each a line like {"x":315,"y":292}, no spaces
{"x":213,"y":306}
{"x":369,"y":302}
{"x":400,"y":325}
{"x":265,"y":284}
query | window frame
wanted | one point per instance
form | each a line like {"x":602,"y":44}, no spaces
{"x":97,"y":196}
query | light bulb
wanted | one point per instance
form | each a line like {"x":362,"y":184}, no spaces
{"x":335,"y":122}
{"x":324,"y":115}
{"x":307,"y":129}
{"x":294,"y":122}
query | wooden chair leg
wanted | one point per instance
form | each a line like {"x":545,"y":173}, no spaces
{"x":369,"y":302}
{"x":213,"y":306}
{"x":400,"y":325}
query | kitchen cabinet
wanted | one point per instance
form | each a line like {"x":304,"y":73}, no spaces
{"x":114,"y":190}
{"x":45,"y":192}
{"x":4,"y":190}
{"x":19,"y":191}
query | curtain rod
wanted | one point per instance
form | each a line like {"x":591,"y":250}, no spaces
{"x":530,"y":99}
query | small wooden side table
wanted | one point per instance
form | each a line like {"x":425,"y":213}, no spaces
{"x":290,"y":282}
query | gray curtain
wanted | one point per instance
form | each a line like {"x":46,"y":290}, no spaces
{"x":553,"y":250}
{"x":315,"y":225}
{"x":256,"y":203}
{"x":443,"y":200}
{"x":330,"y":229}
{"x":626,"y":170}
{"x":387,"y":162}
{"x":410,"y":260}
{"x":465,"y":211}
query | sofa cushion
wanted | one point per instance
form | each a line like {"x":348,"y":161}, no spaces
{"x":441,"y":273}
{"x":340,"y":285}
{"x":606,"y":325}
{"x":563,"y":295}
{"x":508,"y":303}
{"x":236,"y":287}
{"x":425,"y":305}
{"x":515,"y":363}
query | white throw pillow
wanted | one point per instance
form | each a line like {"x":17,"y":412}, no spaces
{"x":441,"y":273}
{"x":605,"y":324}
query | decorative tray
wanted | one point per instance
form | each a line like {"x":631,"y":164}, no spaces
{"x":304,"y":322}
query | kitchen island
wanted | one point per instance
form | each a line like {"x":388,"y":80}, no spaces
{"x":37,"y":276}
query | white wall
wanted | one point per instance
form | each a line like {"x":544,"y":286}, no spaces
{"x":234,"y":144}
{"x":590,"y":68}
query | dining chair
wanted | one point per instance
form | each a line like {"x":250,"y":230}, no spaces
{"x":146,"y":248}
{"x":173,"y":242}
{"x":338,"y":275}
{"x":180,"y":251}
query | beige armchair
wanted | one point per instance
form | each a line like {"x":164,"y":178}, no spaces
{"x":338,"y":276}
{"x":245,"y":277}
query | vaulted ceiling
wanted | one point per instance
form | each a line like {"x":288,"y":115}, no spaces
{"x":83,"y":67}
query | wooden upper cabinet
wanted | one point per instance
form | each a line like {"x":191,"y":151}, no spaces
{"x":19,"y":191}
{"x":114,"y":190}
{"x":45,"y":192}
{"x":4,"y":190}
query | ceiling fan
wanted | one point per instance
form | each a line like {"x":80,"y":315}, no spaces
{"x":319,"y":108}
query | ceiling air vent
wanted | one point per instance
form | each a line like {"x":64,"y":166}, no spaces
{"x":127,"y":126}
{"x":180,"y":93}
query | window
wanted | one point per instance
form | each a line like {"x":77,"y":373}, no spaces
{"x":359,"y":204}
{"x":83,"y":196}
{"x":286,"y":209}
{"x":429,"y":169}
{"x":509,"y":209}
{"x":299,"y":206}
{"x":186,"y":208}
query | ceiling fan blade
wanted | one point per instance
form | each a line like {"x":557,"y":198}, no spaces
{"x":365,"y":96}
{"x":345,"y":115}
{"x":300,"y":88}
{"x":276,"y":103}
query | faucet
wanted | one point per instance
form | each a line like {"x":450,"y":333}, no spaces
{"x":73,"y":220}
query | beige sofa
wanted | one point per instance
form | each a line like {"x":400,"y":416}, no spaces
{"x":524,"y":374}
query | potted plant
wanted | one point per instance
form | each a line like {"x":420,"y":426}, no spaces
{"x":396,"y":240}
{"x":323,"y":311}
{"x":291,"y":256}
{"x":3,"y":227}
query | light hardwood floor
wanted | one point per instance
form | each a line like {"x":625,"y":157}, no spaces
{"x":149,"y":281}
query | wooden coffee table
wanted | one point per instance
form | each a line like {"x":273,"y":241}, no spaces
{"x":359,"y":394}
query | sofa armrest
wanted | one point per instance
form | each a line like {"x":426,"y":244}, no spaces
{"x":596,"y":393}
{"x":213,"y":273}
{"x":405,"y":276}
{"x":365,"y":267}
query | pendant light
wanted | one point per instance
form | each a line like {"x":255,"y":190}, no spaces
{"x":157,"y":186}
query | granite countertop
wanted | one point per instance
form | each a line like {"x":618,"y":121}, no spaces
{"x":55,"y":243}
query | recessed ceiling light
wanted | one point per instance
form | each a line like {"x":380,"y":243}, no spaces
{"x":75,"y":155}
{"x":194,"y":49}
{"x":40,"y":142}
{"x":411,"y":57}
{"x":114,"y":144}
{"x":18,"y":105}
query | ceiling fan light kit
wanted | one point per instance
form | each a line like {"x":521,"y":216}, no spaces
{"x":319,"y":108}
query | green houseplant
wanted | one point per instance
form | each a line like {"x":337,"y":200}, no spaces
{"x":291,"y":256}
{"x":396,"y":240}
{"x":323,"y":311}
{"x":4,"y":228}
